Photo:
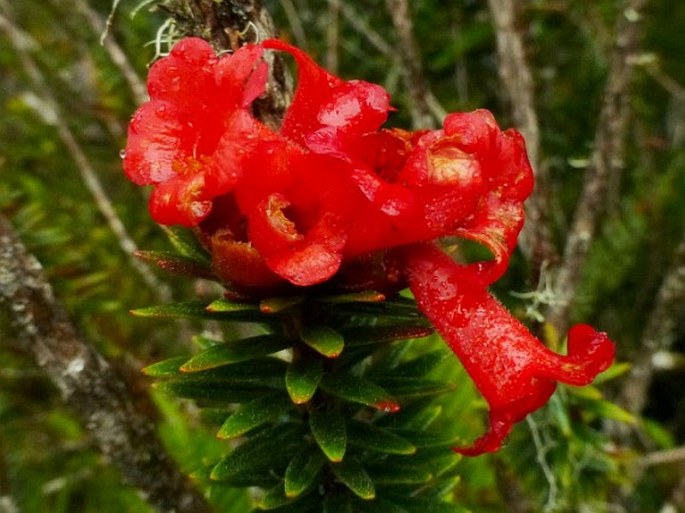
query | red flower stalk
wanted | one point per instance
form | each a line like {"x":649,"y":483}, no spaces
{"x":332,"y":197}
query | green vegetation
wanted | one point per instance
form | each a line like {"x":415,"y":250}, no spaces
{"x":64,"y":107}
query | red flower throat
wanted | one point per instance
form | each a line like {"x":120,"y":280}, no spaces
{"x":333,"y":197}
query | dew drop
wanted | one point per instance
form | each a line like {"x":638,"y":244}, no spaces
{"x":122,"y":154}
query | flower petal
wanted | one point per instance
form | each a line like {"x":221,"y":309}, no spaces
{"x":157,"y":137}
{"x":329,"y":115}
{"x":513,"y":370}
{"x":185,"y":76}
{"x":241,"y":77}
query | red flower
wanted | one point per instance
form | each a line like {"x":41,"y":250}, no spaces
{"x":513,"y":370}
{"x":331,"y":194}
{"x":190,"y":138}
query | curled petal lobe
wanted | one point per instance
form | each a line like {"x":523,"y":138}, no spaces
{"x":513,"y":370}
{"x":329,"y":115}
{"x":241,"y":77}
{"x":299,"y":207}
{"x":185,"y":77}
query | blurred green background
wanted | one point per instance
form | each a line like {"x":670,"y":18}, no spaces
{"x":64,"y":106}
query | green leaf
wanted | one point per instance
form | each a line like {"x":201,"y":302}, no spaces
{"x":422,"y":365}
{"x":609,"y":410}
{"x":392,"y":358}
{"x":421,"y":439}
{"x":302,"y":379}
{"x":215,"y":391}
{"x":436,"y":461}
{"x":398,"y":475}
{"x":246,"y":479}
{"x":177,"y":264}
{"x":413,"y":388}
{"x":440,"y":488}
{"x":302,"y":471}
{"x":658,"y":433}
{"x":560,"y":412}
{"x":353,"y":356}
{"x":269,"y":449}
{"x":254,"y":414}
{"x":369,"y":436}
{"x":416,"y":416}
{"x":357,"y":390}
{"x":354,"y":476}
{"x":185,"y":242}
{"x":165,"y":368}
{"x":323,"y":340}
{"x":443,"y":463}
{"x":616,"y":370}
{"x":587,"y":392}
{"x":226,"y":306}
{"x":279,"y":304}
{"x":183,"y":310}
{"x":268,"y":371}
{"x":236,"y":351}
{"x":273,"y":498}
{"x":236,"y":383}
{"x":369,"y":335}
{"x":198,"y":310}
{"x":367,"y":296}
{"x":330,"y":433}
{"x":399,"y":309}
{"x":308,"y":503}
{"x":203,"y":342}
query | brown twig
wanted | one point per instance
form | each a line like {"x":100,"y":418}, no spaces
{"x":333,"y":36}
{"x":411,"y":60}
{"x":658,"y":334}
{"x":676,"y":502}
{"x":675,"y":455}
{"x":116,"y":54}
{"x":606,"y":159}
{"x":295,"y":21}
{"x":357,"y":21}
{"x":109,"y":409}
{"x":517,"y":78}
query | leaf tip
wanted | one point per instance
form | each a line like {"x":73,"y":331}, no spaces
{"x":387,"y":406}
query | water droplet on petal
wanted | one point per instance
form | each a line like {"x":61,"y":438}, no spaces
{"x":122,"y":154}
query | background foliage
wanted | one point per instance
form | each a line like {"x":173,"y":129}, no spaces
{"x":64,"y":106}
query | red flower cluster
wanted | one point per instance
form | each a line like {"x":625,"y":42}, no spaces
{"x":332,"y":196}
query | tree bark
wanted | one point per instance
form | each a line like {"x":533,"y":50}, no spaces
{"x":606,"y":159}
{"x":110,"y":410}
{"x":517,"y":78}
